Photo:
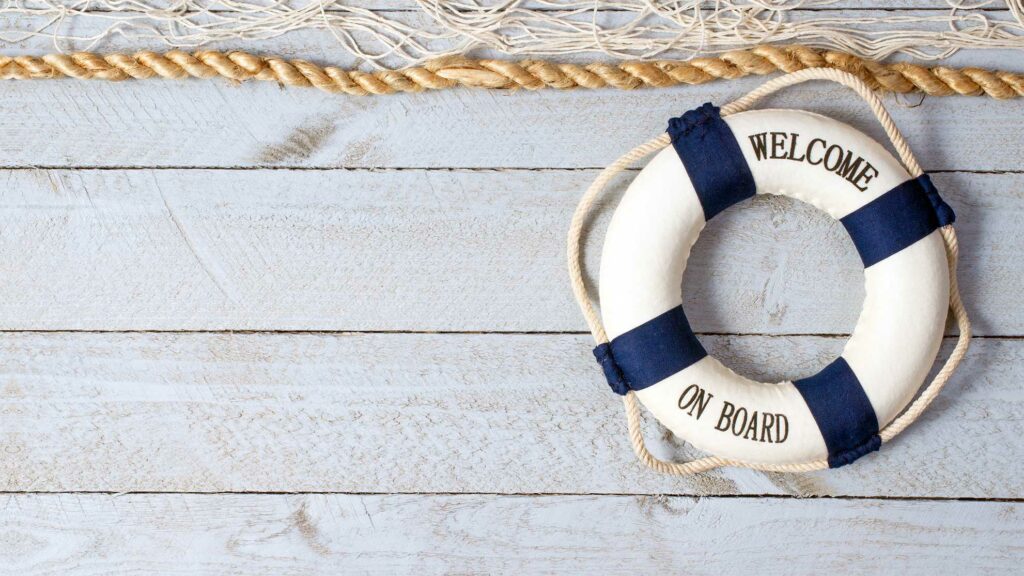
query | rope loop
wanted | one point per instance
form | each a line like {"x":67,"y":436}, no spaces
{"x":630,"y":402}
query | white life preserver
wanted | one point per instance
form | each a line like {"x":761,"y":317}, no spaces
{"x":894,"y":222}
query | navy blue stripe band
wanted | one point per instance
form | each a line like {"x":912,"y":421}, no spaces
{"x":843,"y":412}
{"x":896,"y":219}
{"x":713,"y":159}
{"x":650,"y":352}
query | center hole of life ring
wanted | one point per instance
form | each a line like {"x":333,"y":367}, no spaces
{"x":782,"y":274}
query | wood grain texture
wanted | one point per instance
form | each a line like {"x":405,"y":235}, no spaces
{"x":358,"y":250}
{"x":283,"y":535}
{"x":418,"y":413}
{"x":157,"y":123}
{"x":216,"y":124}
{"x":461,"y":453}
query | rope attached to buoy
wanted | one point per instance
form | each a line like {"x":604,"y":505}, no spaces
{"x":456,"y":71}
{"x":632,"y":405}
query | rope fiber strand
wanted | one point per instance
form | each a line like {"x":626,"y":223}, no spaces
{"x":632,"y":405}
{"x":455,"y":71}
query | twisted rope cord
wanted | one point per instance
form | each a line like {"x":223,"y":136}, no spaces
{"x":450,"y":72}
{"x":630,"y":402}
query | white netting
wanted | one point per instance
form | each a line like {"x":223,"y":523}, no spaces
{"x":412,"y":31}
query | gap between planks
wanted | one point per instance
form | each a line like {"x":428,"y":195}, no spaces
{"x":383,"y":169}
{"x":343,"y":332}
{"x":766,"y":496}
{"x":838,"y":7}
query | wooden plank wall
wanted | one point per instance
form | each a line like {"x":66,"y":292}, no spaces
{"x":253,"y":330}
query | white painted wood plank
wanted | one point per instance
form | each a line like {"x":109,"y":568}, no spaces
{"x":212,"y":123}
{"x":215,"y":123}
{"x":434,"y":413}
{"x":426,"y":250}
{"x":283,"y":535}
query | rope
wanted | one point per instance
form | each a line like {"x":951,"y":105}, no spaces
{"x":632,"y":405}
{"x":450,"y":72}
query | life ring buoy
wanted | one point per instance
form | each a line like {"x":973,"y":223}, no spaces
{"x":894,"y":220}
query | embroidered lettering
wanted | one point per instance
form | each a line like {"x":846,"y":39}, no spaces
{"x":817,"y":152}
{"x":753,"y":425}
{"x":694,"y":398}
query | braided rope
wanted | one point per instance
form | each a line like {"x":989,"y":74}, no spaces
{"x":630,"y":402}
{"x":453,"y":71}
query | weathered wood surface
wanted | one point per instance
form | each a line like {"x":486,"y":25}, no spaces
{"x":426,"y":250}
{"x":217,"y":124}
{"x":212,"y":123}
{"x":282,"y":535}
{"x":473,"y":452}
{"x":419,"y":413}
